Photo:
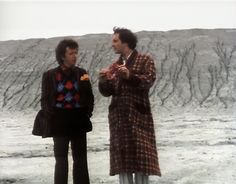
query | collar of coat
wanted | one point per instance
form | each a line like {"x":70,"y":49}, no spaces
{"x":130,"y":60}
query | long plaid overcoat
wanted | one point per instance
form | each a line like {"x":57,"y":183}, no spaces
{"x":132,"y":136}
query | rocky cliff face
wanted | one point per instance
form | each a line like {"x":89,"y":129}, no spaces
{"x":196,"y":68}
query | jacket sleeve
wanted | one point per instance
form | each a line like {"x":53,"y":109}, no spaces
{"x":146,"y":79}
{"x":45,"y":93}
{"x":91,"y":100}
{"x":86,"y":92}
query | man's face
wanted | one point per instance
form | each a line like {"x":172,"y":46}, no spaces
{"x":70,"y":57}
{"x":117,"y":45}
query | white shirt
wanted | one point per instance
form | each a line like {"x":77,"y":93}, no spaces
{"x":125,"y":59}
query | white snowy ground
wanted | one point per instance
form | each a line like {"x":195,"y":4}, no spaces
{"x":194,"y":148}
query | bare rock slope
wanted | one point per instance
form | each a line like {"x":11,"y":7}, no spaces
{"x":196,"y":68}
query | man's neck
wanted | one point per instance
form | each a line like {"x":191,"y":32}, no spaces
{"x":127,"y":54}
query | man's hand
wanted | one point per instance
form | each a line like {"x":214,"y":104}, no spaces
{"x":104,"y":75}
{"x":123,"y":72}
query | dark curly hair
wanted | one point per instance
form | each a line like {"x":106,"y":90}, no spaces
{"x":61,"y":49}
{"x":126,"y":36}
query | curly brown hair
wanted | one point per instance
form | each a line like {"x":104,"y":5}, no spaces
{"x":126,"y":36}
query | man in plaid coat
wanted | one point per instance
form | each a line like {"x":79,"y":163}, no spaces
{"x":132,"y":135}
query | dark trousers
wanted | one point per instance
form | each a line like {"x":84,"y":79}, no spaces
{"x":79,"y":155}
